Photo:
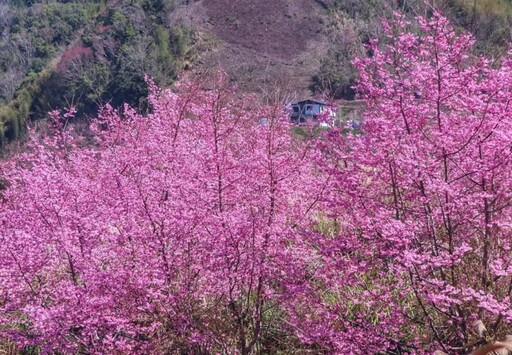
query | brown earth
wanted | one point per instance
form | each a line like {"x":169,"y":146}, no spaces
{"x":271,"y":47}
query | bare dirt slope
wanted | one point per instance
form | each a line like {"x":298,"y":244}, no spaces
{"x":267,"y":46}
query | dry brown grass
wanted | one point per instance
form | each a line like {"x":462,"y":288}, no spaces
{"x":8,"y":348}
{"x":264,"y":45}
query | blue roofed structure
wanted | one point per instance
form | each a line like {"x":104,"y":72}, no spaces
{"x":306,"y":110}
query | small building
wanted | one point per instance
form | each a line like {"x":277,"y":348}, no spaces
{"x":306,"y":110}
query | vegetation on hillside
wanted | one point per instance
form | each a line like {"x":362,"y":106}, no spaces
{"x":83,"y":53}
{"x":86,"y":53}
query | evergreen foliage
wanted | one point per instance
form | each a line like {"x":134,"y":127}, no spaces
{"x":84,"y":54}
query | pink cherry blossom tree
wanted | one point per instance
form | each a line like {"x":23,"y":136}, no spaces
{"x":179,"y":230}
{"x":421,"y":202}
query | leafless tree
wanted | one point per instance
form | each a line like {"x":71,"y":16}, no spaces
{"x":9,"y":82}
{"x":27,"y":49}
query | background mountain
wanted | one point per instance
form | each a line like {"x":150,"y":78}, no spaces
{"x":87,"y":53}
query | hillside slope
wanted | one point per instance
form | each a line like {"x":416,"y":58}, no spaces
{"x":88,"y":52}
{"x":291,"y":48}
{"x":82,"y":53}
{"x":265,"y":46}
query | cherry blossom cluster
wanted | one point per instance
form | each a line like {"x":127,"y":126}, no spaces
{"x":203,"y":228}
